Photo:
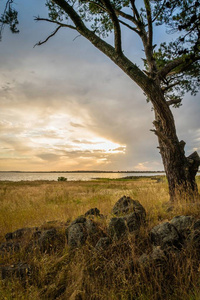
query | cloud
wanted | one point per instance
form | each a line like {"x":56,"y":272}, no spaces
{"x":85,"y":142}
{"x":67,"y":106}
{"x":48,"y":156}
{"x":76,"y":124}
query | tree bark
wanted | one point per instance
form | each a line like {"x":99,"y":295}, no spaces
{"x":180,"y":170}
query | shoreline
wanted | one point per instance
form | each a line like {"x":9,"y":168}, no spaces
{"x":107,"y":172}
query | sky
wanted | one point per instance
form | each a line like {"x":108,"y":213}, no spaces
{"x":66,"y":106}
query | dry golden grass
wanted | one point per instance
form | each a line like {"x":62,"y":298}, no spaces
{"x":86,"y":274}
{"x":26,"y":204}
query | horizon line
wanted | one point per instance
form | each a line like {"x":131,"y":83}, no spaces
{"x":87,"y":171}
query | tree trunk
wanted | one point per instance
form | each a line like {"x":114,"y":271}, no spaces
{"x":180,"y":170}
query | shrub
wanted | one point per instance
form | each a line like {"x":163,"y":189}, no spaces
{"x":62,"y":179}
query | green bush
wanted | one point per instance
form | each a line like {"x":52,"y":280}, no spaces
{"x":62,"y":179}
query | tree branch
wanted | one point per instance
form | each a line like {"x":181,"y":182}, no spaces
{"x":149,"y":20}
{"x":174,"y":64}
{"x":174,"y":101}
{"x":135,"y":11}
{"x":51,"y":35}
{"x":194,"y":163}
{"x":165,"y":89}
{"x":126,"y":16}
{"x":9,"y":16}
{"x":184,"y":66}
{"x":97,"y":4}
{"x":117,"y":12}
{"x":160,"y":10}
{"x":121,"y":14}
{"x":117,"y":29}
{"x":55,"y":22}
{"x":2,"y":24}
{"x":128,"y":26}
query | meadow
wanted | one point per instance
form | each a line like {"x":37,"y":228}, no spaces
{"x":85,"y":274}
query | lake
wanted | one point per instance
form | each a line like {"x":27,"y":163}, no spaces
{"x":18,"y":176}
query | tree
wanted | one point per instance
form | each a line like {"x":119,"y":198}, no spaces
{"x":171,"y":69}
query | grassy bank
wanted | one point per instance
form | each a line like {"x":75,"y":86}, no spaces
{"x":86,"y":274}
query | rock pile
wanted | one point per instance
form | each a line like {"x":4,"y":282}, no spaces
{"x":180,"y":233}
{"x":128,"y":216}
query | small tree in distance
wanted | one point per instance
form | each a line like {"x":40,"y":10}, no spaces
{"x":171,"y":69}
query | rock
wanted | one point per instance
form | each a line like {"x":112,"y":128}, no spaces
{"x":117,"y":228}
{"x":9,"y":247}
{"x":92,"y":229}
{"x":165,"y":235}
{"x":50,"y":241}
{"x":20,"y":270}
{"x":76,"y":232}
{"x":76,"y":235}
{"x":82,"y":229}
{"x":90,"y":225}
{"x":80,"y":219}
{"x":17,"y":240}
{"x":45,"y":239}
{"x":157,"y":258}
{"x":19,"y":234}
{"x":197,"y":225}
{"x":126,"y":205}
{"x":132,"y":212}
{"x":133,"y":222}
{"x":103,"y":243}
{"x":184,"y":225}
{"x":93,"y":212}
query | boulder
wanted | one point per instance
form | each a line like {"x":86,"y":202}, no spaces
{"x":197,"y":225}
{"x":93,"y":212}
{"x":30,"y":239}
{"x":17,"y":240}
{"x":76,"y":235}
{"x":117,"y":228}
{"x":50,"y":241}
{"x":9,"y":247}
{"x":82,"y":229}
{"x":126,"y":206}
{"x":165,"y":235}
{"x":20,"y":270}
{"x":133,"y":222}
{"x":20,"y":233}
{"x":184,"y":225}
{"x":132,"y":213}
{"x":80,"y":219}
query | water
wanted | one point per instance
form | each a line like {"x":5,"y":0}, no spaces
{"x":16,"y":176}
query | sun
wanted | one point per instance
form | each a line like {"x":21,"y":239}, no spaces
{"x":100,"y":144}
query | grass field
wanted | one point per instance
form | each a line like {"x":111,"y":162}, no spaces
{"x":86,"y":274}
